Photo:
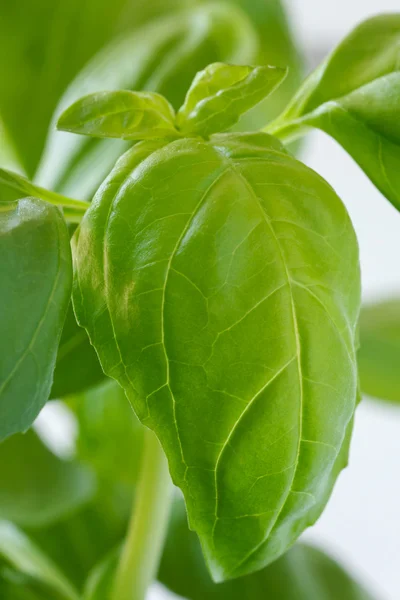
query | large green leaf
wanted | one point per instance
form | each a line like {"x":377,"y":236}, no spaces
{"x":354,"y":97}
{"x":379,"y":353}
{"x":43,"y":45}
{"x":28,"y":560}
{"x":37,"y":488}
{"x":35,"y":278}
{"x":77,"y":366}
{"x":234,"y":268}
{"x":303,"y":573}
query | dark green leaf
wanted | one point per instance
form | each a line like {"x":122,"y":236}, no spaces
{"x":235,"y":270}
{"x":35,"y":278}
{"x":37,"y":488}
{"x":100,"y":581}
{"x":354,"y":97}
{"x":19,"y":551}
{"x":104,"y":417}
{"x":122,"y":114}
{"x":303,"y":573}
{"x":77,"y":365}
{"x":221,"y":93}
{"x":379,"y":353}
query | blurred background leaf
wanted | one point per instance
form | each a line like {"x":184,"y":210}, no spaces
{"x":37,"y":488}
{"x":303,"y":573}
{"x":379,"y":353}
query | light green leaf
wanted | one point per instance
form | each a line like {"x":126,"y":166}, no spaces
{"x":303,"y":573}
{"x":77,"y":366}
{"x":104,"y":415}
{"x":235,"y":270}
{"x":37,"y":488}
{"x":353,"y":96}
{"x":221,"y":93}
{"x":35,"y":279}
{"x":100,"y":582}
{"x":18,"y":550}
{"x":379,"y":353}
{"x":122,"y":114}
{"x":162,"y":57}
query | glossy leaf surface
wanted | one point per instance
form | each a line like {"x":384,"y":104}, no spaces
{"x":354,"y":97}
{"x":35,"y":279}
{"x":234,"y":268}
{"x":122,"y":114}
{"x":303,"y":573}
{"x":37,"y":488}
{"x":23,"y":555}
{"x":77,"y":365}
{"x":379,"y":353}
{"x":221,"y":93}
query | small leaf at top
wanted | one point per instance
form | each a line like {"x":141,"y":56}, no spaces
{"x":35,"y":288}
{"x":123,"y":114}
{"x":221,"y":93}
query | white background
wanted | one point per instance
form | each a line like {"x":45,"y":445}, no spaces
{"x":361,"y":525}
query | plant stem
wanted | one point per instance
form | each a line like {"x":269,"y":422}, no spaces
{"x":148,"y":526}
{"x":287,"y":131}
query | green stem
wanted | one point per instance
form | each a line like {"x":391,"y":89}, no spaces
{"x":147,"y":530}
{"x":287,"y":131}
{"x":25,"y":187}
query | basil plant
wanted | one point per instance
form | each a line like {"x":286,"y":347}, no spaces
{"x":211,"y":282}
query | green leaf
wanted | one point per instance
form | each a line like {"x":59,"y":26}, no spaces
{"x":379,"y":353}
{"x":35,"y":276}
{"x":353,"y":96}
{"x":303,"y":573}
{"x":18,"y":550}
{"x":37,"y":488}
{"x":101,"y":579}
{"x":122,"y":114}
{"x":221,"y":93}
{"x":77,"y":366}
{"x":235,"y":269}
{"x":104,"y":416}
{"x":161,"y":57}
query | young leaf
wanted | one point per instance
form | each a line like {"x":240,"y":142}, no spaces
{"x":221,"y":93}
{"x":77,"y":366}
{"x":37,"y":488}
{"x":379,"y":353}
{"x":162,"y":57}
{"x":303,"y":573}
{"x":235,"y":270}
{"x":35,"y":279}
{"x":122,"y":114}
{"x":19,"y":551}
{"x":354,"y":97}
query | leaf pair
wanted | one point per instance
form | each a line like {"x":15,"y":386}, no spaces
{"x":354,"y":97}
{"x":215,"y":101}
